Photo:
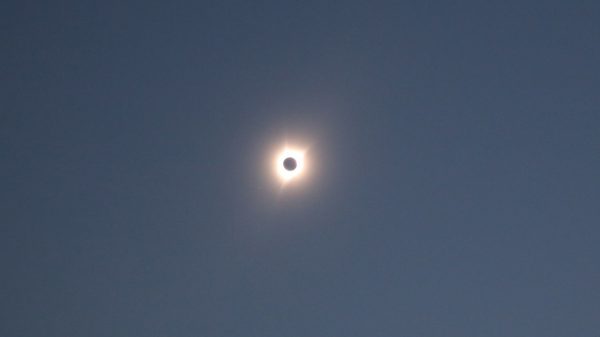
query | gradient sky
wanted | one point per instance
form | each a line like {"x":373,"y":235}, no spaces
{"x":456,"y":153}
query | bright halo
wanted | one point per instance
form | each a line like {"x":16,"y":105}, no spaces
{"x":289,"y":164}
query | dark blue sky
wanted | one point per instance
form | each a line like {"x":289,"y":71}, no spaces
{"x":457,"y":147}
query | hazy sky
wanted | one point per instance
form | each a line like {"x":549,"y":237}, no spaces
{"x":455,"y":173}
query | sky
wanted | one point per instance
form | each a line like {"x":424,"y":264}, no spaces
{"x":453,"y":152}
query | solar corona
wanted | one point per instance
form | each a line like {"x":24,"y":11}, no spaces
{"x":289,"y":164}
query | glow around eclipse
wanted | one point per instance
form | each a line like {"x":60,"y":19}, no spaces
{"x":289,"y":164}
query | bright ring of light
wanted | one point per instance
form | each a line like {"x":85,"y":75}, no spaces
{"x":288,"y":174}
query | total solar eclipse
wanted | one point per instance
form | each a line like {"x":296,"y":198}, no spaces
{"x":290,"y":163}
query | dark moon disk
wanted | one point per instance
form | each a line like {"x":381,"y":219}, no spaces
{"x":290,"y":164}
